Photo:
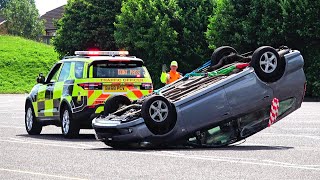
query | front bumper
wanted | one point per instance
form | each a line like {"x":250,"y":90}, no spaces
{"x":116,"y":131}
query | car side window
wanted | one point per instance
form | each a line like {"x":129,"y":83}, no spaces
{"x":78,"y":70}
{"x":53,"y":75}
{"x":65,"y":72}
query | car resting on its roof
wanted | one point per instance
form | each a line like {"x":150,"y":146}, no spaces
{"x":226,"y":100}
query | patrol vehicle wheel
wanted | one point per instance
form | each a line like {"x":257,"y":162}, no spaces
{"x":33,"y":127}
{"x":69,"y":127}
{"x":158,"y":114}
{"x":267,"y":64}
{"x":114,"y":103}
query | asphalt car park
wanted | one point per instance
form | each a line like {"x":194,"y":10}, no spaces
{"x":290,"y":149}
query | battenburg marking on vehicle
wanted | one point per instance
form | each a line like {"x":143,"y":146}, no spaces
{"x":81,"y":84}
{"x":123,"y":80}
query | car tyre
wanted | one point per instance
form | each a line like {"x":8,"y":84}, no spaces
{"x":221,"y":52}
{"x":69,"y":127}
{"x":159,"y":115}
{"x":267,"y":64}
{"x":33,"y":126}
{"x":114,"y":103}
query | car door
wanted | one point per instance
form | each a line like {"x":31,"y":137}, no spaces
{"x":247,"y":94}
{"x":203,"y":109}
{"x":45,"y":93}
{"x":58,"y":88}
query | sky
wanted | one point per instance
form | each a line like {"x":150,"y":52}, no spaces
{"x":47,"y":5}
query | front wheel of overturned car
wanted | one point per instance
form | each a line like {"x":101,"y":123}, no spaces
{"x":158,"y":114}
{"x":70,"y":128}
{"x":267,"y":64}
{"x":114,"y":103}
{"x":33,"y":127}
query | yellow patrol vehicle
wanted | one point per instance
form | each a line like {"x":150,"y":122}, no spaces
{"x":76,"y":88}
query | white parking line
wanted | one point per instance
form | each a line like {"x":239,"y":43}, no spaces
{"x":50,"y":143}
{"x":236,"y":160}
{"x":15,"y":111}
{"x":291,"y":135}
{"x":46,"y":144}
{"x":301,"y":148}
{"x":300,"y":129}
{"x":39,"y":174}
{"x":16,"y":127}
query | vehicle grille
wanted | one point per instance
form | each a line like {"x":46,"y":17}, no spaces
{"x":107,"y":131}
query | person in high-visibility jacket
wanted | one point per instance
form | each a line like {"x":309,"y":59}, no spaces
{"x":171,"y":76}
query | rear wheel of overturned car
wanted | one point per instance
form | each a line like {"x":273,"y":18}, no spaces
{"x":69,"y":127}
{"x":267,"y":64}
{"x":220,"y":53}
{"x":158,"y":114}
{"x":33,"y":127}
{"x":114,"y":103}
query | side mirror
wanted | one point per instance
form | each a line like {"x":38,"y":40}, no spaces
{"x":41,"y":79}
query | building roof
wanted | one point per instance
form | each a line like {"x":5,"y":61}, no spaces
{"x":52,"y":16}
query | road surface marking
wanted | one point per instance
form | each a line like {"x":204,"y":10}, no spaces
{"x":238,"y":161}
{"x":291,"y":135}
{"x":44,"y":144}
{"x":39,"y":174}
{"x":300,"y":129}
{"x":16,"y":127}
{"x":51,"y":143}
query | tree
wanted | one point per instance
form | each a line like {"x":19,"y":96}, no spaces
{"x":160,"y":31}
{"x":302,"y":31}
{"x":144,"y":28}
{"x":87,"y":24}
{"x":23,"y":19}
{"x":248,"y":24}
{"x":191,"y":32}
{"x":3,"y":4}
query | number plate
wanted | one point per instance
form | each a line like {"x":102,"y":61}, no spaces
{"x":114,"y":88}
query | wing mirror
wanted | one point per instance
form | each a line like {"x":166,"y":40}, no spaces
{"x":41,"y":79}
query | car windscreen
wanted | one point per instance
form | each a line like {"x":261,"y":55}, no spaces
{"x":118,"y":70}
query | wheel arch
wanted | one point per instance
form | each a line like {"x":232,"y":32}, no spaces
{"x":64,"y":103}
{"x":28,"y":101}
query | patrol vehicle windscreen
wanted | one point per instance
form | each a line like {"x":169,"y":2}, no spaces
{"x":118,"y":70}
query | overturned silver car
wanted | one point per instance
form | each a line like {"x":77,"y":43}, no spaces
{"x":226,"y":100}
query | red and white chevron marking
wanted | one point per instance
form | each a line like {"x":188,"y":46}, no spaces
{"x":274,"y":111}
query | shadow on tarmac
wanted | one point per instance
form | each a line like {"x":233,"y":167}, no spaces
{"x":91,"y":138}
{"x":187,"y":148}
{"x":59,"y":137}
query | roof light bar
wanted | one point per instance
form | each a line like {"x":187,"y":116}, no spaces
{"x":102,"y":53}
